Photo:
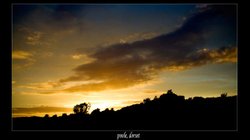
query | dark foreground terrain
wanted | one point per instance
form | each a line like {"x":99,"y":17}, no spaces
{"x":168,"y":112}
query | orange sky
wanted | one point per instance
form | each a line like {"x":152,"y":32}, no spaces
{"x":118,"y":55}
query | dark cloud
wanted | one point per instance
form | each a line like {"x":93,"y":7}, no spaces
{"x":128,"y":64}
{"x":49,"y":18}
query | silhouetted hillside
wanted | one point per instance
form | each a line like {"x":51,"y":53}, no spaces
{"x":168,"y":112}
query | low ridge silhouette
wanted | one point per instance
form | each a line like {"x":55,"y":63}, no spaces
{"x":168,"y":112}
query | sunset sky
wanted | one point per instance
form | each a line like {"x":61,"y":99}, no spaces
{"x":115,"y":55}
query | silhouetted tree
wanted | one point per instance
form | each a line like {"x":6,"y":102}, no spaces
{"x":170,"y":91}
{"x":95,"y":112}
{"x":46,"y":116}
{"x":76,"y":109}
{"x":81,"y":108}
{"x":198,"y":98}
{"x":64,"y":115}
{"x":106,"y":110}
{"x":147,"y":100}
{"x":170,"y":96}
{"x":155,"y":98}
{"x":223,"y":95}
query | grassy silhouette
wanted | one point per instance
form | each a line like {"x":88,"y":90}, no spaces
{"x":168,"y":112}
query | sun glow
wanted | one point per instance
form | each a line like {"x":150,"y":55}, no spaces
{"x":103,"y":104}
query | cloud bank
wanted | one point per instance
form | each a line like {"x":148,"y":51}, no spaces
{"x":128,"y":64}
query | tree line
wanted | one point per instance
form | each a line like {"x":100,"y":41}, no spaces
{"x":167,"y":112}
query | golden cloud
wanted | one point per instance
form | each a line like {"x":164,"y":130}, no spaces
{"x":42,"y":86}
{"x":21,"y":55}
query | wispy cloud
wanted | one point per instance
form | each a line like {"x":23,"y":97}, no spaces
{"x":22,"y":59}
{"x":138,"y":36}
{"x":41,"y":109}
{"x":42,"y":86}
{"x":34,"y":38}
{"x":151,"y":91}
{"x":83,"y":57}
{"x":22,"y":55}
{"x":76,"y":57}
